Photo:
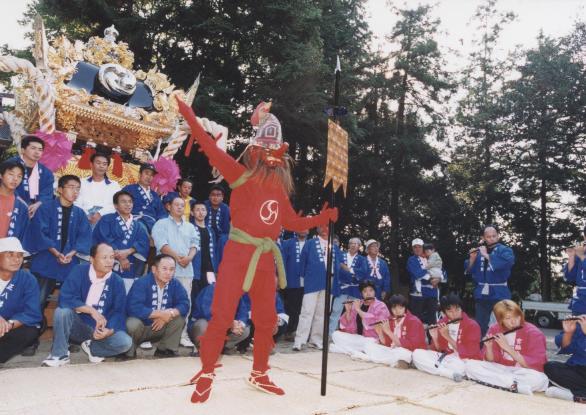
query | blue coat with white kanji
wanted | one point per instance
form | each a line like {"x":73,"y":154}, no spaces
{"x":577,"y":277}
{"x":18,"y":219}
{"x":203,"y":306}
{"x":419,"y":278}
{"x":493,"y":277}
{"x":46,"y":181}
{"x":222,"y":215}
{"x":111,"y":231}
{"x":350,"y":281}
{"x":142,"y":298}
{"x":291,"y":252}
{"x":146,"y":210}
{"x":74,"y":293}
{"x":196,"y":262}
{"x":313,"y":267}
{"x":382,"y":279}
{"x":19,"y":301}
{"x":44,"y":232}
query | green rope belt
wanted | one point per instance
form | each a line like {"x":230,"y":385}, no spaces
{"x":263,"y":245}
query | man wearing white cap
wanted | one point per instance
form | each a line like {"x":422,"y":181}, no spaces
{"x":20,"y":311}
{"x":378,"y":269}
{"x":424,"y":294}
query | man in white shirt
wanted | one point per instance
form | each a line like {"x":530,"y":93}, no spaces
{"x":97,"y":191}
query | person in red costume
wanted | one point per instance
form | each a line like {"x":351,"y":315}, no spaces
{"x":260,"y":206}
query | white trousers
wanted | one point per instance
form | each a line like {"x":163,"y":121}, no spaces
{"x":311,"y":319}
{"x":504,"y":376}
{"x":186,"y":283}
{"x":379,"y":353}
{"x":428,"y":361}
{"x":348,"y":343}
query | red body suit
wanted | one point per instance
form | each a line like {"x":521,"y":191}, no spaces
{"x":260,"y":209}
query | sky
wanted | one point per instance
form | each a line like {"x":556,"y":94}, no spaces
{"x":554,"y":17}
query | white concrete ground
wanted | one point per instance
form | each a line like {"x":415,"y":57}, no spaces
{"x":159,"y":386}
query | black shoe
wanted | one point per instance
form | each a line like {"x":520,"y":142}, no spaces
{"x":124,"y":357}
{"x":31,"y":350}
{"x":165,"y":353}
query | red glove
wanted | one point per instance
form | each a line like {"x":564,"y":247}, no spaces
{"x":328,"y":214}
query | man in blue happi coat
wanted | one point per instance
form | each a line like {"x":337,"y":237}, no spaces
{"x":91,"y":311}
{"x":20,"y":312}
{"x":37,"y":184}
{"x":58,"y":233}
{"x":218,"y":217}
{"x":128,"y":238}
{"x":157,"y":305}
{"x":490,"y":267}
{"x":147,"y":207}
{"x":202,"y":314}
{"x":205,"y":262}
{"x":293,"y":293}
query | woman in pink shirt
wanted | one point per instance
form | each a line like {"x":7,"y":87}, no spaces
{"x":357,"y":324}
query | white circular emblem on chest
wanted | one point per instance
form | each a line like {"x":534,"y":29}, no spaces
{"x":269,"y":211}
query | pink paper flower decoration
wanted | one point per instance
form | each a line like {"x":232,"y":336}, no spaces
{"x":57,"y":150}
{"x":167,"y":176}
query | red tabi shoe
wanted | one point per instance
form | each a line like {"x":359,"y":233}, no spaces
{"x":261,"y":381}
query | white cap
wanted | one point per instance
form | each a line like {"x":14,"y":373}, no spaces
{"x":11,"y":244}
{"x":370,"y":242}
{"x":417,"y":241}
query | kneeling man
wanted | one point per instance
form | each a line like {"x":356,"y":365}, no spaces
{"x":202,"y":314}
{"x":358,"y":322}
{"x":91,"y":311}
{"x":20,"y":311}
{"x":157,"y":305}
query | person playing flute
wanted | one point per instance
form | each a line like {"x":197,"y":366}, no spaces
{"x":452,"y":344}
{"x":512,"y":361}
{"x":398,"y":337}
{"x":357,"y":324}
{"x":569,"y":378}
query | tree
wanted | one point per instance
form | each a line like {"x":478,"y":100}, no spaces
{"x":477,"y":113}
{"x":420,"y":84}
{"x":544,"y":109}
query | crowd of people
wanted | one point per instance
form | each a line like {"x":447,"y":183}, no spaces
{"x":136,"y":269}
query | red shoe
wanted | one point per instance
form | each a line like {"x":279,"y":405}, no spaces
{"x":203,"y":387}
{"x":261,"y":381}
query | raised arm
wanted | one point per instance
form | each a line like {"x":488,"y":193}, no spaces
{"x":228,"y":167}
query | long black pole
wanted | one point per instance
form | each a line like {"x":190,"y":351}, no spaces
{"x":329,"y":273}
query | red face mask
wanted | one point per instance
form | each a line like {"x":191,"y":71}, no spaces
{"x":271,"y":157}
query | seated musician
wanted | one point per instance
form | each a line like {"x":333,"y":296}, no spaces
{"x":398,"y":336}
{"x":569,"y":378}
{"x":514,"y":353}
{"x":455,"y":340}
{"x":357,"y":322}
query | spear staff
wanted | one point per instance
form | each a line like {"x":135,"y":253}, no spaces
{"x":329,"y":274}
